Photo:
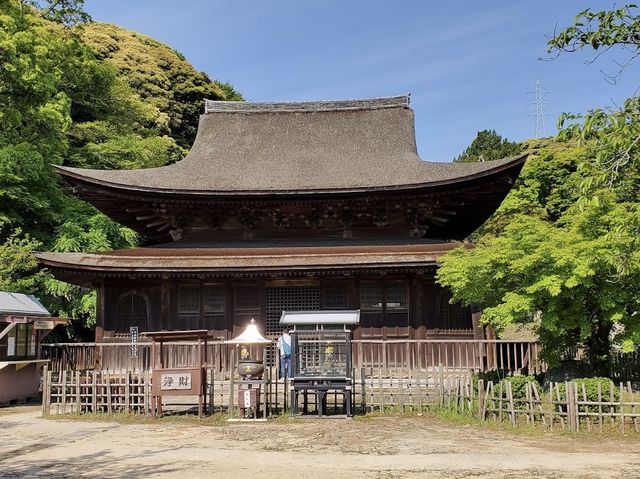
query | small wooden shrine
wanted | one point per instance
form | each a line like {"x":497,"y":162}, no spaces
{"x":287,"y":206}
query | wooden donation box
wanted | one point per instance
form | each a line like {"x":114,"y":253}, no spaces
{"x":169,"y":380}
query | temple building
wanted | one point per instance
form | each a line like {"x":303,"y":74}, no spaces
{"x":287,"y":206}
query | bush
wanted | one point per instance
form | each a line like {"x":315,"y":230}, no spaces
{"x":519,"y":385}
{"x":493,"y":375}
{"x":591,"y":390}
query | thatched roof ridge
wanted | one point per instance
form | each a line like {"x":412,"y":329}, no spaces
{"x":298,"y":147}
{"x":213,"y":106}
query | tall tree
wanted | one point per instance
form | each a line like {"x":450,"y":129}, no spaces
{"x":61,"y":102}
{"x":488,"y":145}
{"x":579,"y":267}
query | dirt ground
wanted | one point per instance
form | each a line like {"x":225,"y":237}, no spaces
{"x":383,"y":448}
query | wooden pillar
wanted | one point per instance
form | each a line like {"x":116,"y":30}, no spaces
{"x":165,"y":307}
{"x":354,"y":301}
{"x":100,"y":311}
{"x":478,"y":328}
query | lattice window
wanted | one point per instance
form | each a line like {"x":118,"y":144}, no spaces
{"x":133,"y":310}
{"x":189,"y":299}
{"x":336,"y":295}
{"x":213,"y":299}
{"x":452,"y":316}
{"x":370,"y":296}
{"x":289,"y":298}
{"x":396,"y":295}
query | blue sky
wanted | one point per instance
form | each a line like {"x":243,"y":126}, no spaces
{"x":468,"y":64}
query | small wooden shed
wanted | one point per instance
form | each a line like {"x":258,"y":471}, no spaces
{"x":24,"y":322}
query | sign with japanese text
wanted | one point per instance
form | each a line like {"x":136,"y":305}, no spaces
{"x":133,"y":333}
{"x":177,"y":382}
{"x":172,"y":381}
{"x":43,"y":324}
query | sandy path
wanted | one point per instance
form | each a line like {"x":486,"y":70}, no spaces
{"x":376,"y":448}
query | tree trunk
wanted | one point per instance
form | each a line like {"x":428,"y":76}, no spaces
{"x":599,"y":347}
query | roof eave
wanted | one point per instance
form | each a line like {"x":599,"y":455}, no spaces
{"x":75,"y":176}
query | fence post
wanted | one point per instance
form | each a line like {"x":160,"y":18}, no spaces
{"x":127,"y":392}
{"x":94,"y":392}
{"x":512,"y":409}
{"x":78,"y":402}
{"x":64,"y":392}
{"x":571,"y":412}
{"x":363,"y":391}
{"x":481,"y":404}
{"x":441,"y":382}
{"x":46,"y":383}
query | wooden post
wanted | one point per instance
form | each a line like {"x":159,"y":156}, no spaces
{"x":441,"y":381}
{"x":512,"y":409}
{"x":265,"y":402}
{"x":78,"y":407}
{"x":363,"y":390}
{"x":231,"y":383}
{"x":380,"y":391}
{"x":127,"y":391}
{"x":586,"y":407}
{"x":571,"y":413}
{"x":633,"y":407}
{"x":107,"y":379}
{"x":46,"y":384}
{"x":600,"y":405}
{"x":147,"y":392}
{"x":94,"y":392}
{"x":482,"y":413}
{"x":622,"y":425}
{"x":64,"y":392}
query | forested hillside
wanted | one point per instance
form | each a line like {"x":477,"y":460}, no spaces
{"x":94,"y":96}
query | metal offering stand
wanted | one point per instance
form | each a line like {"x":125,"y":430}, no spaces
{"x":250,"y":357}
{"x":321,"y":355}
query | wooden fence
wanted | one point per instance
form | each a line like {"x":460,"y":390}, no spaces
{"x":104,"y":391}
{"x":565,"y":405}
{"x":414,"y":355}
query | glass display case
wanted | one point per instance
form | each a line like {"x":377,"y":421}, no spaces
{"x":321,"y":354}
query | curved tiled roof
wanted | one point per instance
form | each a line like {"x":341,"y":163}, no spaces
{"x":335,"y":146}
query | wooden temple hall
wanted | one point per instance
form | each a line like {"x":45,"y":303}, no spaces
{"x":287,"y":206}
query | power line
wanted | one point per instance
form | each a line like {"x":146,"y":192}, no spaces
{"x":539,"y":102}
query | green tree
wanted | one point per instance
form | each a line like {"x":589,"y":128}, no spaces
{"x":160,"y":76}
{"x":488,"y":145}
{"x":575,"y":255}
{"x":63,"y":102}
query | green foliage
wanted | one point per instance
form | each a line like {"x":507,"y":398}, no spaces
{"x":18,"y":268}
{"x":491,"y":375}
{"x":160,"y":76}
{"x":591,"y":391}
{"x":566,"y":241}
{"x":94,"y":97}
{"x":488,"y":145}
{"x":519,"y":385}
{"x":67,"y":12}
{"x":601,"y":31}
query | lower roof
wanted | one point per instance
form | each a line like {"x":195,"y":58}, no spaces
{"x":21,"y":304}
{"x":162,"y":260}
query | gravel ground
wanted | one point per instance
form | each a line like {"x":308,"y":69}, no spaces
{"x":385,"y":447}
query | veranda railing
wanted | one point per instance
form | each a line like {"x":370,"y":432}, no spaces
{"x":397,"y":355}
